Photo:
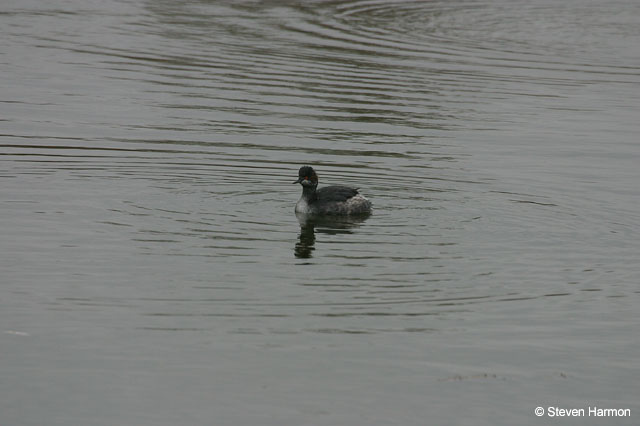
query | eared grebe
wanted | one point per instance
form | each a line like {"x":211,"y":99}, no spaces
{"x":330,"y":200}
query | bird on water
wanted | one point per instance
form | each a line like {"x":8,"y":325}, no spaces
{"x":330,"y":200}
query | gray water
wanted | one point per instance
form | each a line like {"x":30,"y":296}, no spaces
{"x":153,"y":271}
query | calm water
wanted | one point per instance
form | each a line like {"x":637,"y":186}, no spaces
{"x":153,"y":271}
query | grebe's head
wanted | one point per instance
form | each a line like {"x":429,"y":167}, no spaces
{"x":307,"y":177}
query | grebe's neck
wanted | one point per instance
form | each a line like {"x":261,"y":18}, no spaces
{"x":309,"y":193}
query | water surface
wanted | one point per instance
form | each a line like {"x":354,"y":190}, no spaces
{"x":153,"y":271}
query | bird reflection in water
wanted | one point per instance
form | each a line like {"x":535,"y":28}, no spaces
{"x":330,"y":225}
